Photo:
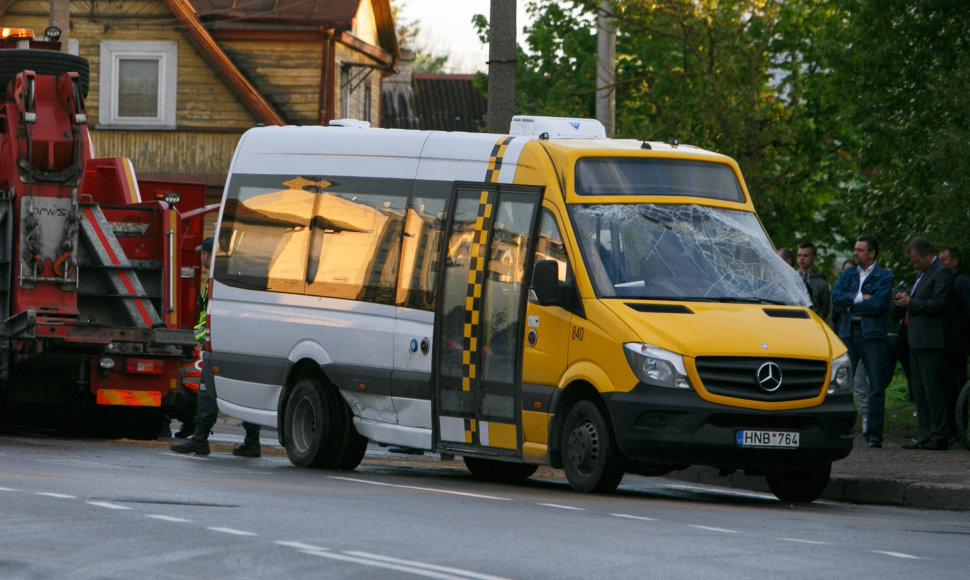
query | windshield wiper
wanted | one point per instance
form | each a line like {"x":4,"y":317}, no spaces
{"x":749,"y":300}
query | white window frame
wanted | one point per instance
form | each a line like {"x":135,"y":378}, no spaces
{"x":112,"y":52}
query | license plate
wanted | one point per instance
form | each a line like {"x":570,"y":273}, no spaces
{"x":754,"y":438}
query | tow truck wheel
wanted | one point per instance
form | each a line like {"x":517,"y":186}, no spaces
{"x":42,"y":62}
{"x":493,"y":470}
{"x":590,"y":457}
{"x":799,"y":485}
{"x":312,"y":425}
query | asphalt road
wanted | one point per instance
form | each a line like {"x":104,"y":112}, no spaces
{"x":112,"y":509}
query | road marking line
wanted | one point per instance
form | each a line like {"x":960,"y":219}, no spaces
{"x":388,"y":565}
{"x":631,"y":517}
{"x":302,"y":546}
{"x":57,"y":495}
{"x":713,"y":529}
{"x":446,"y":569}
{"x":801,"y":541}
{"x":232,"y":531}
{"x":186,"y":455}
{"x":899,"y":555}
{"x":8,"y":489}
{"x":419,"y":488}
{"x":562,"y":507}
{"x":168,"y":518}
{"x":109,"y":505}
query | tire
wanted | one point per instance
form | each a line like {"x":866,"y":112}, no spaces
{"x":493,"y":470}
{"x":353,"y":445}
{"x":42,"y":62}
{"x":799,"y":485}
{"x":590,"y":457}
{"x":312,"y":426}
{"x":962,"y":422}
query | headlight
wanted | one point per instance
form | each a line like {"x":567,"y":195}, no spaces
{"x":656,"y":366}
{"x":840,"y":381}
{"x":106,"y":362}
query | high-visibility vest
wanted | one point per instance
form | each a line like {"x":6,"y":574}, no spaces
{"x":203,"y":303}
{"x":192,"y":371}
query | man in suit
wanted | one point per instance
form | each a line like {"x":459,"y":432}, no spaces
{"x":863,"y":294}
{"x":924,"y":317}
{"x":958,"y":332}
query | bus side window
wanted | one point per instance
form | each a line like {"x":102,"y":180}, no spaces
{"x":550,"y":245}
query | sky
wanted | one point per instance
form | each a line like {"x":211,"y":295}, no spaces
{"x":446,"y":29}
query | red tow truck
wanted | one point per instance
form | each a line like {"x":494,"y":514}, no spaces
{"x":98,"y":269}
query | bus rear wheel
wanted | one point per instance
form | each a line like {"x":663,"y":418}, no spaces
{"x":799,"y":485}
{"x":493,"y":470}
{"x":313,"y":425}
{"x":590,"y":457}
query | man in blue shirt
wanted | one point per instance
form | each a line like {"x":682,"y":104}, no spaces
{"x":864,"y":293}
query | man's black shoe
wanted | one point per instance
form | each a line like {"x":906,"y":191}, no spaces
{"x":186,"y":430}
{"x":914,"y":444}
{"x":940,"y":445}
{"x":191,"y":445}
{"x":874,"y":443}
{"x":247,"y":450}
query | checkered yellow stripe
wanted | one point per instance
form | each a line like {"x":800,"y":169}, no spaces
{"x":476,"y":275}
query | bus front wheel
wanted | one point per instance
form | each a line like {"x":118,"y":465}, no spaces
{"x":799,"y":485}
{"x":590,"y":456}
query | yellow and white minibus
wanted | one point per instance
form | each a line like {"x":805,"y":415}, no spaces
{"x":546,"y":297}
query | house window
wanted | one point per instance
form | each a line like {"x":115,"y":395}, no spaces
{"x":138,"y":84}
{"x":367,"y":102}
{"x":344,"y":92}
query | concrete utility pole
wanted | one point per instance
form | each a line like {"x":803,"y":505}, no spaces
{"x":501,"y":66}
{"x":61,"y":17}
{"x":606,"y":68}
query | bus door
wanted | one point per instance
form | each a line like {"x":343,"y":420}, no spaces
{"x":480,"y":319}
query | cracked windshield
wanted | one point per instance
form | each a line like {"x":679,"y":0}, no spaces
{"x":683,"y":252}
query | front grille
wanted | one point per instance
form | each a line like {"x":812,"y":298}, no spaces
{"x":737,"y":377}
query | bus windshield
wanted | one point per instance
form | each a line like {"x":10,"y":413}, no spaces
{"x":682,"y":252}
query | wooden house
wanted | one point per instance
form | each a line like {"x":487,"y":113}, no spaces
{"x":174,"y":83}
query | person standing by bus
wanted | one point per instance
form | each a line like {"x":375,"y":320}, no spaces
{"x":864,"y":293}
{"x":207,"y":410}
{"x":815,"y":282}
{"x":925,"y":309}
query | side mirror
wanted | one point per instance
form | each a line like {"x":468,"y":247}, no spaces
{"x":545,"y":283}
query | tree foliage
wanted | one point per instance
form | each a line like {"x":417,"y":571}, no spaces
{"x":846,"y":116}
{"x":901,"y":72}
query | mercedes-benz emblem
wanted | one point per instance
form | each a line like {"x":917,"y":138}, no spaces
{"x":769,"y":377}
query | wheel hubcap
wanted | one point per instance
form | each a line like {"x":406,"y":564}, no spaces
{"x":304,"y":425}
{"x":583,"y":446}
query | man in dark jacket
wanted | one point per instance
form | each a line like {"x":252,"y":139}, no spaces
{"x":958,"y":331}
{"x":925,"y":309}
{"x":815,"y":282}
{"x":863,"y":292}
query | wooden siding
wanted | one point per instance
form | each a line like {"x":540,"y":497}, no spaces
{"x":355,"y":106}
{"x":196,"y":155}
{"x":286,"y":72}
{"x":203,"y":99}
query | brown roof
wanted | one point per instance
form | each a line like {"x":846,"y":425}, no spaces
{"x":329,"y":13}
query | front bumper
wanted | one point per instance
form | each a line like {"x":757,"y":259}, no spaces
{"x":677,"y":428}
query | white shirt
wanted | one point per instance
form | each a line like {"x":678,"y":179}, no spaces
{"x":863,"y":274}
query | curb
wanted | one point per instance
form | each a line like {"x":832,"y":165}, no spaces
{"x":860,"y":490}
